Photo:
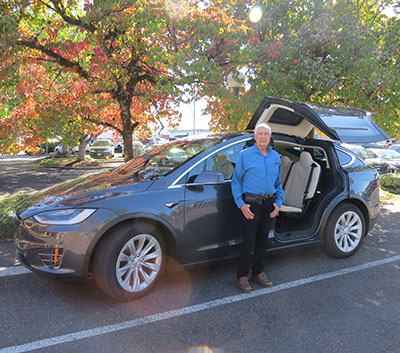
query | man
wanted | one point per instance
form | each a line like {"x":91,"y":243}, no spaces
{"x":258,"y":192}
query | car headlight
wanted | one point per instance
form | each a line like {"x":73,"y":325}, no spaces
{"x":69,"y":216}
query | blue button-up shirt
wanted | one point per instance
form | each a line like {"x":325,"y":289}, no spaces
{"x":257,"y":174}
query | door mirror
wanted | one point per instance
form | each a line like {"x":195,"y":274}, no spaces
{"x":209,"y":178}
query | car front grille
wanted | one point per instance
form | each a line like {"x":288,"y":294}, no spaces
{"x":52,"y":259}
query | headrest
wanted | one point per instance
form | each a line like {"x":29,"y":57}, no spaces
{"x":220,"y":158}
{"x":285,"y":160}
{"x":305,"y":159}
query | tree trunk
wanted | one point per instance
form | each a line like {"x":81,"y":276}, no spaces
{"x":126,"y":129}
{"x":82,"y":148}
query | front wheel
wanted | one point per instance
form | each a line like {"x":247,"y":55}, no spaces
{"x":345,"y":231}
{"x":129,"y":261}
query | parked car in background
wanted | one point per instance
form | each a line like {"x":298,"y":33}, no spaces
{"x":369,"y":156}
{"x":119,"y":146}
{"x":70,"y":150}
{"x":147,"y":142}
{"x":102,"y":149}
{"x":175,"y":202}
{"x":391,"y":157}
{"x":138,"y":149}
{"x":395,"y":148}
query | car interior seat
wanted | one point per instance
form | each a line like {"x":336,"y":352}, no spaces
{"x":287,"y":164}
{"x":222,"y":165}
{"x":301,"y":183}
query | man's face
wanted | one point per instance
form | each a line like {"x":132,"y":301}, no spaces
{"x":262,"y":137}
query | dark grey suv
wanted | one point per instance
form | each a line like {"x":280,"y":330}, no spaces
{"x":175,"y":202}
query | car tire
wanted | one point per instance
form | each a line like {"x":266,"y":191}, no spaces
{"x":129,"y":261}
{"x":345,"y":231}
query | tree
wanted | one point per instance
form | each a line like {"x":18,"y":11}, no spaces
{"x":115,"y":50}
{"x":315,"y":51}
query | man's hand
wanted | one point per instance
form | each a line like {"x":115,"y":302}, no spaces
{"x":275,"y":212}
{"x":247,"y":212}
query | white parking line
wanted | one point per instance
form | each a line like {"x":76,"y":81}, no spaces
{"x":12,"y":271}
{"x":189,"y":309}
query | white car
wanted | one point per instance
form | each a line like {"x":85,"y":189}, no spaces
{"x":71,"y":150}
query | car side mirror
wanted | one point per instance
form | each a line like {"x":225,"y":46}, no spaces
{"x":209,"y":178}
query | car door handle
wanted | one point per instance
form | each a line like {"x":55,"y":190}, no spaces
{"x":171,"y":204}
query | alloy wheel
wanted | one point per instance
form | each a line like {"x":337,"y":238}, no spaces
{"x":139,"y":263}
{"x":348,"y":231}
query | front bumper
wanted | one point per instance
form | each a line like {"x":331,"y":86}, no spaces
{"x":100,"y":154}
{"x":61,"y":251}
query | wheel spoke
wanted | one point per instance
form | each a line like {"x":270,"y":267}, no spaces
{"x":126,"y":281}
{"x":151,"y":266}
{"x":351,"y":244}
{"x":141,"y":243}
{"x":131,"y":247}
{"x":152,"y":255}
{"x":149,"y":246}
{"x":136,"y":280}
{"x":147,"y":279}
{"x":124,"y":258}
{"x":123,"y":269}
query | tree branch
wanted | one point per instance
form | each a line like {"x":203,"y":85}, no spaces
{"x":103,"y":123}
{"x":60,"y":59}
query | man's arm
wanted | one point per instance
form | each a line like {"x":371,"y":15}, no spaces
{"x":236,"y":184}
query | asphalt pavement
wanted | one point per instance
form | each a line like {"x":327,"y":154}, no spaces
{"x":17,"y":173}
{"x":317,"y":304}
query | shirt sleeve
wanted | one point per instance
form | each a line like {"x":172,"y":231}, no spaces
{"x":237,"y":180}
{"x":280,"y":195}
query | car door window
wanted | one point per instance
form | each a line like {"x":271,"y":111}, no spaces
{"x":222,"y":161}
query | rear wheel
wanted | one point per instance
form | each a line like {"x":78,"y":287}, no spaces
{"x":345,"y":231}
{"x":129,"y":261}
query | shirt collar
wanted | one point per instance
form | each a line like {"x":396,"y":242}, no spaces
{"x":256,"y":150}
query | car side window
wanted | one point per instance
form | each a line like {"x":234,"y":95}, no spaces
{"x":222,"y":161}
{"x":200,"y":168}
{"x":344,"y":158}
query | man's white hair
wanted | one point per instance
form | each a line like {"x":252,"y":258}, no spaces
{"x":264,"y":125}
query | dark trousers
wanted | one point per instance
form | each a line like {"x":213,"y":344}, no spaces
{"x":255,"y":239}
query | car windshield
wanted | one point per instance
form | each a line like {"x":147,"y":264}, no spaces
{"x":161,"y":160}
{"x":388,"y":154}
{"x":101,"y":143}
{"x":363,"y":153}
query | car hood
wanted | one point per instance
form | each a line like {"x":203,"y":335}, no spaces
{"x":344,"y":124}
{"x":81,"y":191}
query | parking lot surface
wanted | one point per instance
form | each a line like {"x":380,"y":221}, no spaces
{"x":317,"y":304}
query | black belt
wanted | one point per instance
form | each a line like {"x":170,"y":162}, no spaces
{"x":267,"y":196}
{"x":255,"y":198}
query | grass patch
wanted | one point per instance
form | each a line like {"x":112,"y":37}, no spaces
{"x":54,"y":161}
{"x":7,"y":207}
{"x":65,"y":161}
{"x":390,"y":183}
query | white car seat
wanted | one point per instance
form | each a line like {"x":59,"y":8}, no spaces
{"x":301,"y":183}
{"x":223,"y":165}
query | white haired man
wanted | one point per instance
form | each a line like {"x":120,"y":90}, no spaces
{"x":258,"y":193}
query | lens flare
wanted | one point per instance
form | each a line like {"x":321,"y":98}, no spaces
{"x":176,"y":9}
{"x":255,"y":14}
